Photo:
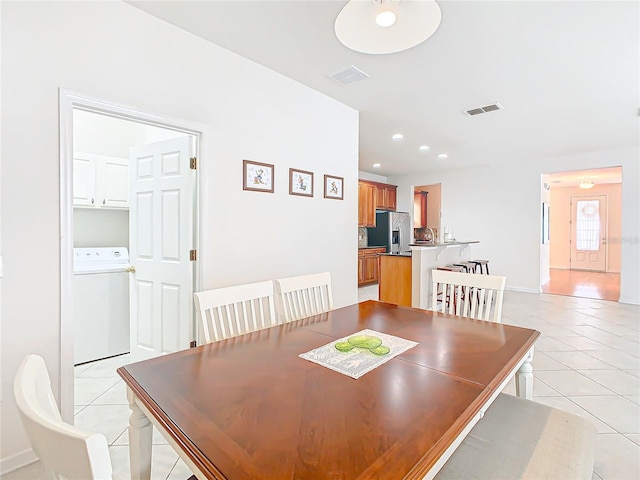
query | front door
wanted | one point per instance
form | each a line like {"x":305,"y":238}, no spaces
{"x":588,"y":232}
{"x":161,"y":237}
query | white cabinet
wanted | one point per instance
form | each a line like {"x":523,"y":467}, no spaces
{"x":100,"y":181}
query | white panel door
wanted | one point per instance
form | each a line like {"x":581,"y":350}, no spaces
{"x":588,"y":232}
{"x":161,"y":236}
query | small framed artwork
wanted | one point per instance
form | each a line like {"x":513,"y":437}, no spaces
{"x":333,"y":187}
{"x":257,"y":176}
{"x":300,"y":183}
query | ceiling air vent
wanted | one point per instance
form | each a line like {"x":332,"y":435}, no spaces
{"x":350,"y":75}
{"x":485,"y":109}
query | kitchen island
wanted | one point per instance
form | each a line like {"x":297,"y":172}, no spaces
{"x":394,"y":283}
{"x":405,"y":278}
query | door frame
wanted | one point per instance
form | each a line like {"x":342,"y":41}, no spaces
{"x":68,"y":101}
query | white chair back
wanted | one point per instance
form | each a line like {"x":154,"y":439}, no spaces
{"x":303,"y":296}
{"x":232,"y":311}
{"x":64,"y":450}
{"x":469,"y":294}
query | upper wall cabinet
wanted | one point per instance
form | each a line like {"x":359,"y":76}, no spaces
{"x":366,"y":204}
{"x":100,"y":181}
{"x":386,"y":196}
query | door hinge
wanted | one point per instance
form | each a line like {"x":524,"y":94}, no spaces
{"x":193,"y":163}
{"x":193,"y":255}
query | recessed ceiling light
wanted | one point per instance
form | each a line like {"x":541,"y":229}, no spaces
{"x":386,"y":18}
{"x":376,"y":165}
{"x":443,"y":156}
{"x":398,"y":136}
{"x":424,"y":148}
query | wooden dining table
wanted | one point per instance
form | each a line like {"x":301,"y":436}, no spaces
{"x":250,"y":408}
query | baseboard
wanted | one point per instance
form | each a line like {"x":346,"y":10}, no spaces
{"x":628,"y":301}
{"x":522,"y":289}
{"x":17,"y":460}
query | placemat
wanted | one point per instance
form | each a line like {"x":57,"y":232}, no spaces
{"x":358,"y":361}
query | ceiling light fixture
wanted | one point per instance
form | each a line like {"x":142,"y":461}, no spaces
{"x":424,"y":148}
{"x":398,"y":136}
{"x":376,"y":165}
{"x":443,"y":156}
{"x":405,"y":24}
{"x":586,"y":183}
{"x":385,"y":18}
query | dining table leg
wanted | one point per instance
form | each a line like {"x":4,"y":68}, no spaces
{"x":140,"y":433}
{"x":524,"y":378}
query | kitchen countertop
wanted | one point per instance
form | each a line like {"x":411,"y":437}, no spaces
{"x":445,"y":244}
{"x":364,"y":248}
{"x":401,"y":254}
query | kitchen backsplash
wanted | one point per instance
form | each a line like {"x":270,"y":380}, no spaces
{"x":362,"y":237}
{"x":422,"y":234}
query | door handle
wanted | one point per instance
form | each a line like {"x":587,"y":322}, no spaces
{"x":131,"y":269}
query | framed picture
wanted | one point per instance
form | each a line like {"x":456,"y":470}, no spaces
{"x":257,"y":176}
{"x":333,"y":187}
{"x":545,"y":223}
{"x":300,"y":183}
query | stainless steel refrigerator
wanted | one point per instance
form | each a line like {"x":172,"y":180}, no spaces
{"x":392,"y":230}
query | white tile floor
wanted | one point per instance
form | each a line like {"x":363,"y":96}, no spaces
{"x":587,"y":361}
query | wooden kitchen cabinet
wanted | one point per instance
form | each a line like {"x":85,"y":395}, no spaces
{"x":420,"y":210}
{"x":368,"y":265}
{"x":100,"y":181}
{"x":386,"y":197}
{"x":366,"y":204}
{"x":374,"y":196}
{"x":394,"y":284}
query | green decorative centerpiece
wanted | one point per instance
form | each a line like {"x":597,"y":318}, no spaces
{"x":363,"y":342}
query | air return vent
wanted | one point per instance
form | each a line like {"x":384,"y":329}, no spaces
{"x":486,"y":109}
{"x":350,"y":75}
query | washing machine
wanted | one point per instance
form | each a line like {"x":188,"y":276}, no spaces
{"x":101,"y":303}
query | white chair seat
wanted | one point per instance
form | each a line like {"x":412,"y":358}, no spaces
{"x":64,"y":450}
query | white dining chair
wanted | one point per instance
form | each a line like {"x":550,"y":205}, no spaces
{"x":468,"y":294}
{"x":303,"y":296}
{"x":232,"y":311}
{"x":64,"y":450}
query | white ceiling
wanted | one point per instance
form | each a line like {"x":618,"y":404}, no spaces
{"x":566,"y":73}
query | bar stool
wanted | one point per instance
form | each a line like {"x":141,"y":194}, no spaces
{"x":482,"y":263}
{"x":449,"y":268}
{"x":468,"y":267}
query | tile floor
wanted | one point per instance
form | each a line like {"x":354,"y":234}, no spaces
{"x":587,"y":361}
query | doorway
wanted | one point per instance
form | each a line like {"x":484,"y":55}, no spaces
{"x":151,"y":210}
{"x":585,"y":230}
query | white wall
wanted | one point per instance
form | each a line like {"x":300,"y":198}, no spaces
{"x":113,"y":51}
{"x":372,"y":177}
{"x":112,"y":137}
{"x":500,"y":206}
{"x":98,"y":227}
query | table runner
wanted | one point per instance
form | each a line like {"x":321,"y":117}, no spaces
{"x":358,"y":361}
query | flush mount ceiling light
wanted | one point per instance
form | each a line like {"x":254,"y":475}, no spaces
{"x":424,"y":148}
{"x":397,"y":137}
{"x":376,"y":165}
{"x":443,"y":156}
{"x":586,"y":183}
{"x":386,"y":26}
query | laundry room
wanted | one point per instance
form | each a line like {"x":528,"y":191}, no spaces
{"x":101,"y":230}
